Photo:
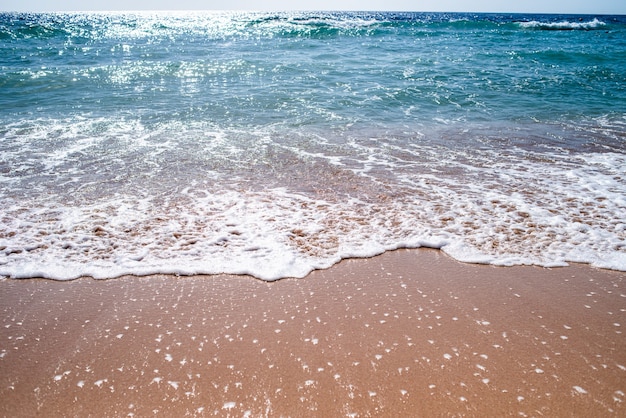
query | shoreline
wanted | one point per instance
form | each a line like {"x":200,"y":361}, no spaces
{"x":405,"y":332}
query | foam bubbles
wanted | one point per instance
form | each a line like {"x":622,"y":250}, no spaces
{"x":287,"y":204}
{"x":563,"y":25}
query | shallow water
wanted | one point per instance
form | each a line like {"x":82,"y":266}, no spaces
{"x":273,"y":144}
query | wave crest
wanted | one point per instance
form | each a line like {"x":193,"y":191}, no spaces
{"x":563,"y":25}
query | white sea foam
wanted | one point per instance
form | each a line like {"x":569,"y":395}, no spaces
{"x":106,"y":205}
{"x":563,"y":25}
{"x":229,"y":405}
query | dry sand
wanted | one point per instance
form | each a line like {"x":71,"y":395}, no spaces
{"x":408,"y":333}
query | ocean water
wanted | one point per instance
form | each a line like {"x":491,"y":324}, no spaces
{"x":272,"y":144}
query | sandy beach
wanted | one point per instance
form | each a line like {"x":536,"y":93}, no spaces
{"x":407,"y":333}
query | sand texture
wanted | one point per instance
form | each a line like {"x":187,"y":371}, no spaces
{"x":408,"y":333}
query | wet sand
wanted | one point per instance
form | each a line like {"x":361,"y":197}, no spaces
{"x":408,"y":333}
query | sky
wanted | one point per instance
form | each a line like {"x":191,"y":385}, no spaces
{"x":522,"y":6}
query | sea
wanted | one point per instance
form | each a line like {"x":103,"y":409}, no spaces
{"x":274,"y":144}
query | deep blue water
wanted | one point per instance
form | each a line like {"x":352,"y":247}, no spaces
{"x":258,"y":69}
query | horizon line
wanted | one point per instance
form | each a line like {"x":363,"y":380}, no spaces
{"x":310,"y":11}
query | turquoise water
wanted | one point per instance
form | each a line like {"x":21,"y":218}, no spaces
{"x":272,"y":144}
{"x":242,"y":69}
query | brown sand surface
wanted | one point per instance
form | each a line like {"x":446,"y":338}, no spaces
{"x":408,"y":333}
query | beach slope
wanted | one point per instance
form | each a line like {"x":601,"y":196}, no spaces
{"x":407,"y":333}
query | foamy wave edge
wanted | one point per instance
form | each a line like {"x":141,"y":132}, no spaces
{"x":294,"y":268}
{"x":563,"y":25}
